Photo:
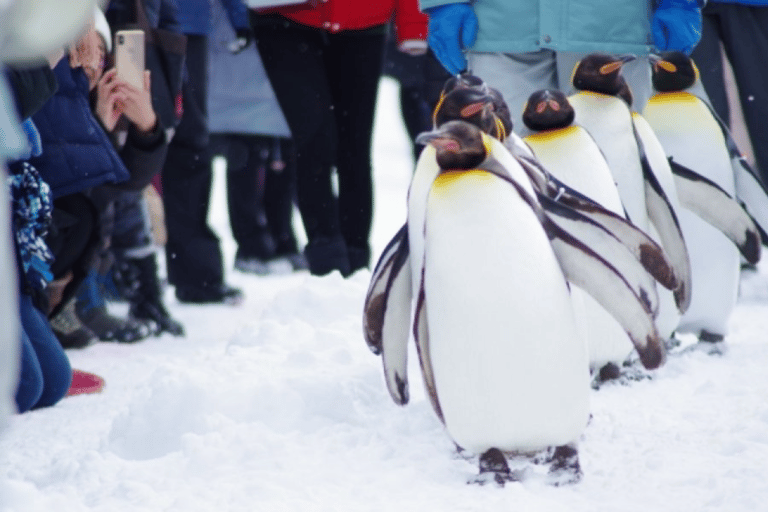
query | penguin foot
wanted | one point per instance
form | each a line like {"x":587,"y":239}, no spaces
{"x":565,"y":468}
{"x":672,"y":343}
{"x":709,"y":343}
{"x":494,"y":468}
{"x":611,"y":373}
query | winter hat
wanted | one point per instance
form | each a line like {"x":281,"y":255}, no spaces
{"x":102,"y":27}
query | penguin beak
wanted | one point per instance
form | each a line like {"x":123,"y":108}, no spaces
{"x":439,"y":140}
{"x":614,"y":66}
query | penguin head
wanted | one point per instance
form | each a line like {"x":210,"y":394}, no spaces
{"x":673,"y":71}
{"x":468,"y":98}
{"x":599,"y":72}
{"x":547,"y":109}
{"x":459,"y":145}
{"x":462,"y":81}
{"x":476,"y":107}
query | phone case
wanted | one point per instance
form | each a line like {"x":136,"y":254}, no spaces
{"x":129,"y":56}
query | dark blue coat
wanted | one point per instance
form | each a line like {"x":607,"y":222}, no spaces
{"x":195,"y":15}
{"x":77,"y":152}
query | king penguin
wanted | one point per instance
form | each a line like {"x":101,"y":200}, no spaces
{"x":694,"y":139}
{"x":494,"y":321}
{"x":601,"y":109}
{"x":502,"y":359}
{"x":568,"y":152}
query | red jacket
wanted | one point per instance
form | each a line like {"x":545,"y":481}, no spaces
{"x":338,"y":15}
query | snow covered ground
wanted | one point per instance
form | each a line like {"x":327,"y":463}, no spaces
{"x":278,"y":405}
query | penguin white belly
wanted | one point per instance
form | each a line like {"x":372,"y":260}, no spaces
{"x":571,"y":155}
{"x":692,"y":137}
{"x":609,"y":122}
{"x":423,"y":177}
{"x":510,"y":369}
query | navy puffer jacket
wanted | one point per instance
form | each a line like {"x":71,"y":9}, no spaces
{"x":77,"y":152}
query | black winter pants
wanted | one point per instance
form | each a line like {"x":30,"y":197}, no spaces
{"x":192,"y":252}
{"x":326,"y":85}
{"x":260,"y":192}
{"x":743,"y":31}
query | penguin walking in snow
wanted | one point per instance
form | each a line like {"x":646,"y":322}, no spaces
{"x":466,"y":98}
{"x":570,"y":153}
{"x":601,"y":109}
{"x":707,"y":175}
{"x":501,"y":356}
{"x":688,"y":190}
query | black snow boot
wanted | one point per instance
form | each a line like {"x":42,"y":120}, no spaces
{"x":92,"y":311}
{"x":146,"y":298}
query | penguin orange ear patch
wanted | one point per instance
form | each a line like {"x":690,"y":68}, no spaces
{"x":471,"y":109}
{"x":541,"y":107}
{"x":554,"y":105}
{"x":667,"y":66}
{"x":609,"y":68}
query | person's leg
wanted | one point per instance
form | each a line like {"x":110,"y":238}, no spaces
{"x":30,"y":386}
{"x":293,"y":58}
{"x":74,"y":241}
{"x":516,"y":77}
{"x":745,"y":37}
{"x":193,"y":253}
{"x":246,"y":157}
{"x":354,"y":65}
{"x":280,"y":194}
{"x":135,"y":271}
{"x":709,"y":61}
{"x":54,"y":364}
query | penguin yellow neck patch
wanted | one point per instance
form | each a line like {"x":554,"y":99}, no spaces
{"x":593,"y":94}
{"x":500,"y":130}
{"x":448,"y":178}
{"x":487,"y":143}
{"x":550,"y":135}
{"x":437,"y":108}
{"x":672,"y":97}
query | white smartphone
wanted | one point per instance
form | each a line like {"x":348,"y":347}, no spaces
{"x":129,"y":56}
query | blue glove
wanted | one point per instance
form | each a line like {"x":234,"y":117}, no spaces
{"x":452,"y":27}
{"x":676,"y":25}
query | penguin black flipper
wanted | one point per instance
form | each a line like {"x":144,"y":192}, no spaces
{"x":750,"y":190}
{"x":650,"y":255}
{"x":386,"y":314}
{"x":610,"y":249}
{"x":391,"y":261}
{"x":421,"y":335}
{"x":714,"y":205}
{"x":587,"y":269}
{"x":553,"y":188}
{"x":663,"y":216}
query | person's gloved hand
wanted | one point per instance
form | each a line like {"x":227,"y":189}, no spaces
{"x":243,"y":37}
{"x":676,"y":25}
{"x":452,"y":27}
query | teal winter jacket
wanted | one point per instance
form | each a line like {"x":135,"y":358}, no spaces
{"x":584,"y":26}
